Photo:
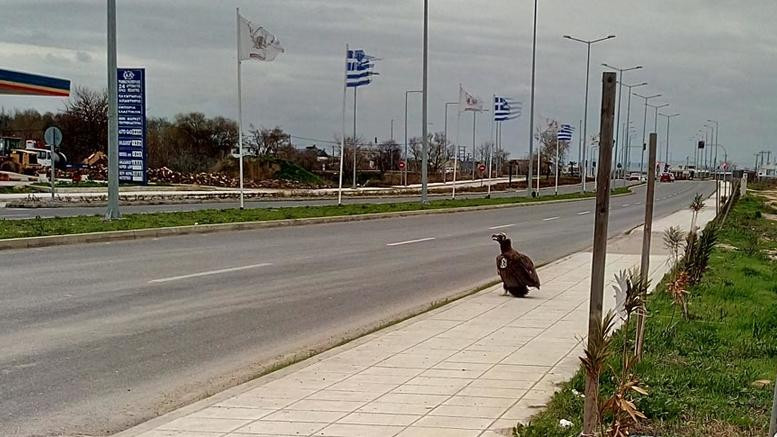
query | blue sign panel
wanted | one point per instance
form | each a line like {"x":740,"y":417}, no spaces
{"x":132,"y":125}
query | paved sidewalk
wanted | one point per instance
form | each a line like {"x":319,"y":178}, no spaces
{"x":471,"y":368}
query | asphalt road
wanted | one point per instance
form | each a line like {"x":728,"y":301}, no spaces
{"x":68,"y":211}
{"x":95,"y":338}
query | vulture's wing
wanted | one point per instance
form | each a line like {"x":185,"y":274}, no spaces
{"x":522,"y":268}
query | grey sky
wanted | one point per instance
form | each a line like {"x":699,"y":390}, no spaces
{"x":709,"y":58}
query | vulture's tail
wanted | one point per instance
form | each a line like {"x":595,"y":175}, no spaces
{"x":519,"y":291}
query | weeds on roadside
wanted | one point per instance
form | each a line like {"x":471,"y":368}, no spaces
{"x":674,"y":241}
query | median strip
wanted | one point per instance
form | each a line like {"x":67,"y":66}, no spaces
{"x":40,"y":232}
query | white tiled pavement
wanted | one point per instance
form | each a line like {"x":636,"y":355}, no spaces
{"x":474,"y":367}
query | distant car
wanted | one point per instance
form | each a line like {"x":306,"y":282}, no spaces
{"x":667,"y":177}
{"x":635,"y":177}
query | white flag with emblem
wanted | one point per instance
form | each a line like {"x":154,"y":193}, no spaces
{"x":468,"y":102}
{"x":256,"y":43}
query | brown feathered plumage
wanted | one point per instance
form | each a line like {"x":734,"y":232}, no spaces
{"x":516,"y":269}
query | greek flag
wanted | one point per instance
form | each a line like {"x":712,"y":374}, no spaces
{"x":506,"y":108}
{"x":565,"y":132}
{"x":359,"y":71}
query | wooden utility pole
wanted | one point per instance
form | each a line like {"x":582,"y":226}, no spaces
{"x":647,"y":233}
{"x":591,"y":413}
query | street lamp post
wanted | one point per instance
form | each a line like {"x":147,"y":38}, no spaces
{"x":406,"y":163}
{"x":668,"y":118}
{"x":112,"y":211}
{"x":587,"y":76}
{"x":531,"y":107}
{"x":644,"y":129}
{"x":618,"y":121}
{"x":627,"y":141}
{"x":424,"y":101}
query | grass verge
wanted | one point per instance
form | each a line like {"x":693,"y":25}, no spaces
{"x":38,"y":227}
{"x":700,"y":373}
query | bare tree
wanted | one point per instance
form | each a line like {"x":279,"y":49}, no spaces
{"x":84,"y":123}
{"x":267,"y":142}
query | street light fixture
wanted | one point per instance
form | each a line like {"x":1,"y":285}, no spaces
{"x":627,"y":141}
{"x":644,"y":128}
{"x":620,"y":94}
{"x":406,"y":163}
{"x":587,"y":77}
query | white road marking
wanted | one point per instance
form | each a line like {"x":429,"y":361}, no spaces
{"x":550,"y":218}
{"x":584,"y":213}
{"x":501,"y":226}
{"x":212,"y":272}
{"x":401,"y":243}
{"x":626,"y":205}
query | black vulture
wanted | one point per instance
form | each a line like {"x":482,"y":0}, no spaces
{"x":516,"y":269}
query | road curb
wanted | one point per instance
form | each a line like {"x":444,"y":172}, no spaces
{"x":108,"y":236}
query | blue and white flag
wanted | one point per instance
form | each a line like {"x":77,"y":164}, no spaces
{"x":565,"y":132}
{"x":359,"y":70}
{"x":506,"y":108}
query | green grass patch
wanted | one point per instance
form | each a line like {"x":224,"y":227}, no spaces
{"x":75,"y":225}
{"x":700,"y":372}
{"x":19,"y":189}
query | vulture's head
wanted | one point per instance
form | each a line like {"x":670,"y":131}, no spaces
{"x":501,"y":238}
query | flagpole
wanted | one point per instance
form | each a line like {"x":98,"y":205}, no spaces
{"x":557,"y":164}
{"x":354,"y":137}
{"x":458,"y":139}
{"x":474,"y":129}
{"x":239,"y":111}
{"x":491,"y":146}
{"x":342,"y":137}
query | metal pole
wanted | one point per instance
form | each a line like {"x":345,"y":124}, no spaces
{"x":53,"y":174}
{"x":618,"y":123}
{"x":539,"y":169}
{"x":580,"y":146}
{"x":646,"y":236}
{"x":404,"y":171}
{"x":644,"y":132}
{"x":355,"y":145}
{"x":585,"y":111}
{"x":342,"y":136}
{"x":474,"y":126}
{"x":491,"y":150}
{"x":557,"y":166}
{"x":590,"y":412}
{"x":666,"y":155}
{"x":456,"y":147}
{"x":113,"y":118}
{"x":531,"y":110}
{"x":240,"y":113}
{"x":627,"y":142}
{"x":425,"y":148}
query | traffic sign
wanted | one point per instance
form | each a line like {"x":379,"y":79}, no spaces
{"x":401,"y":165}
{"x":482,"y":167}
{"x":53,"y":136}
